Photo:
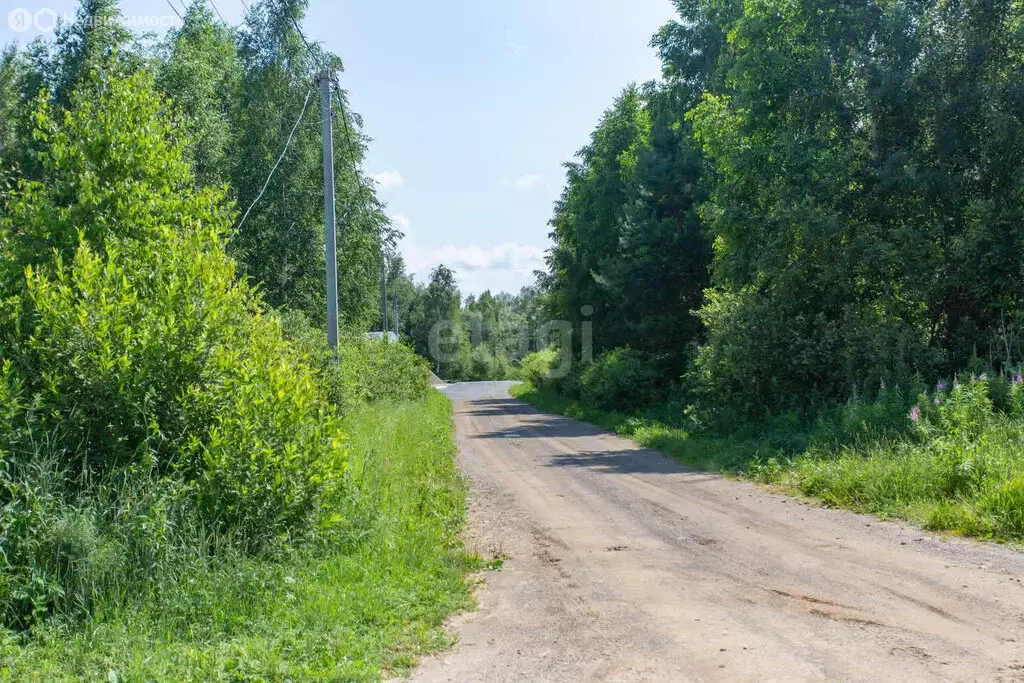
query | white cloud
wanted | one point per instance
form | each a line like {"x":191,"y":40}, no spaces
{"x":527,"y":181}
{"x":502,"y":268}
{"x":506,"y":267}
{"x":519,"y":258}
{"x":388,"y":179}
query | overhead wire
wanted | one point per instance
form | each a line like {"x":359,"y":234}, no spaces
{"x":175,"y":9}
{"x":341,"y":106}
{"x":363,"y":190}
{"x":363,"y":193}
{"x":217,"y":10}
{"x":278,"y":162}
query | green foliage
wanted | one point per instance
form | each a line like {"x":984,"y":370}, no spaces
{"x":199,"y":69}
{"x":630,"y":252}
{"x":536,"y":368}
{"x":223,"y":82}
{"x":134,"y":353}
{"x":817,"y":183}
{"x":484,"y":338}
{"x":840,"y":258}
{"x":965,"y":412}
{"x":281,"y":244}
{"x":620,"y":379}
{"x":366,"y":604}
{"x":12,"y":111}
{"x":362,"y":370}
{"x":174,"y":465}
{"x":96,"y":39}
{"x":434,"y":325}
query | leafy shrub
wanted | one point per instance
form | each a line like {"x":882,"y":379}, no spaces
{"x":966,"y":411}
{"x":536,"y":367}
{"x":488,"y":365}
{"x":867,"y":416}
{"x":135,"y":359}
{"x":363,"y":370}
{"x":621,"y":379}
{"x":766,"y":352}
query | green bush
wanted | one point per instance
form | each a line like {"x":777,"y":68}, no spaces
{"x":363,"y":370}
{"x":1005,"y":506}
{"x":622,"y":378}
{"x":136,"y":361}
{"x":488,"y":365}
{"x":354,"y":608}
{"x":766,"y":353}
{"x":965,"y":412}
{"x":536,"y":367}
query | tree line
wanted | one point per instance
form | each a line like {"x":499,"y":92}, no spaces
{"x":481,"y":337}
{"x":239,"y":92}
{"x":817,"y":198}
{"x":170,"y":412}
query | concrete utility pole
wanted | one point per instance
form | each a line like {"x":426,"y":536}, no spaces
{"x":384,"y":298}
{"x":394,"y":301}
{"x":329,"y":227}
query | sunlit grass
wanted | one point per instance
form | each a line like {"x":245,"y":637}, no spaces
{"x":347,"y":611}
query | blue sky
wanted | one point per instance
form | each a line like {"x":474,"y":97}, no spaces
{"x":473,"y":106}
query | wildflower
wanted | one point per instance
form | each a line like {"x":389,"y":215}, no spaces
{"x":915,"y":414}
{"x":937,"y":400}
{"x":941,"y":386}
{"x":984,"y":377}
{"x":1019,"y":379}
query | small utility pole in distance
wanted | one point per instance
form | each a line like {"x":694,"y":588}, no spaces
{"x":329,"y":227}
{"x":394,"y":300}
{"x":384,"y":298}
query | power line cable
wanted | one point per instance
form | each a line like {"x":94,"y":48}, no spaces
{"x":175,"y":9}
{"x":309,"y":48}
{"x":217,"y":10}
{"x":341,"y":106}
{"x":349,"y":146}
{"x":278,"y":162}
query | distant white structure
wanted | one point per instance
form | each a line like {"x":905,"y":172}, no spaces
{"x":391,"y":336}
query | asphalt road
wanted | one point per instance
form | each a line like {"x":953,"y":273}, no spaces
{"x":624,"y":566}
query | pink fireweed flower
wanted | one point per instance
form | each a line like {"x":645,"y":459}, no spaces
{"x":937,"y":400}
{"x":1019,"y":379}
{"x":941,"y":386}
{"x":984,"y":377}
{"x":915,"y":414}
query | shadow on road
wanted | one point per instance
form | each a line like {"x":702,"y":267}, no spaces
{"x":628,"y":462}
{"x":534,"y":424}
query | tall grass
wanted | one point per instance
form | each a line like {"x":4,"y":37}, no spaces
{"x":368,"y":601}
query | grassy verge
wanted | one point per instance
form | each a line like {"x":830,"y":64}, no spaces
{"x":964,"y":476}
{"x":345,"y":612}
